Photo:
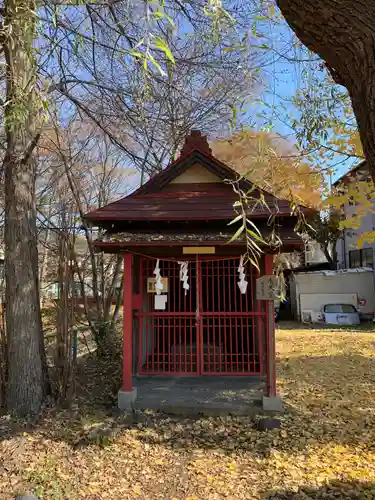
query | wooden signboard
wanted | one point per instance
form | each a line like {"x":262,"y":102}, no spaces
{"x":198,"y":250}
{"x":151,"y":285}
{"x":267,"y":288}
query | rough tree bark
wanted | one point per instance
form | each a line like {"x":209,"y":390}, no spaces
{"x":342,"y":33}
{"x":26,"y":379}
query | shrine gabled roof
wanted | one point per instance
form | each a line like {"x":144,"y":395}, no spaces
{"x":160,"y":199}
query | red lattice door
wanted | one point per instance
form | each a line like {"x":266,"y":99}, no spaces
{"x":212,"y":329}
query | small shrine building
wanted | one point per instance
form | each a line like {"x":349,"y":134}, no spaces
{"x":190,"y":306}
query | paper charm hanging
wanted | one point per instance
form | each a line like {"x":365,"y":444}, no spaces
{"x":242,"y":284}
{"x":160,"y":300}
{"x":158,"y":279}
{"x":184,"y":275}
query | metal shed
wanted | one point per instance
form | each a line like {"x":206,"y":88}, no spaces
{"x":310,"y":291}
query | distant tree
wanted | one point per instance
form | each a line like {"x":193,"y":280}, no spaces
{"x":273,"y":164}
{"x":83,"y":171}
{"x":325,"y":229}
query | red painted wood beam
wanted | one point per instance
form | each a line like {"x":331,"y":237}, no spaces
{"x":127,"y":344}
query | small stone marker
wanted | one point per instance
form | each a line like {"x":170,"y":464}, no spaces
{"x":26,"y":497}
{"x":267,"y":424}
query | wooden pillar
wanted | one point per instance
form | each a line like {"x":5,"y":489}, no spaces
{"x":270,"y":334}
{"x":127,"y":344}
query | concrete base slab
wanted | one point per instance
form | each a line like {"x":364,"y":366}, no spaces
{"x":208,"y":395}
{"x":126,"y":400}
{"x":272,"y":404}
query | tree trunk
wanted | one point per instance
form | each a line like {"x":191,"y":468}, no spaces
{"x":43,"y":266}
{"x":330,"y":259}
{"x":342,"y":33}
{"x":26,"y":382}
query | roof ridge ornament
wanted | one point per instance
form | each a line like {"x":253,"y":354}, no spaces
{"x":195,"y":140}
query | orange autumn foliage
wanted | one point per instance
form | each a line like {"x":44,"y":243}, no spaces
{"x":271,"y":163}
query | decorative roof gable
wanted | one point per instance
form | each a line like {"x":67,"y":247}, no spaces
{"x":164,"y":197}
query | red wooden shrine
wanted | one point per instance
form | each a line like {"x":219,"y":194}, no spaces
{"x":211,"y":329}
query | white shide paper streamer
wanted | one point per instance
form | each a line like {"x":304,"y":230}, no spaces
{"x":242,"y":284}
{"x":184,"y":275}
{"x":158,"y":279}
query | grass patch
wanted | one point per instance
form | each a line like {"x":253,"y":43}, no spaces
{"x":324,"y":449}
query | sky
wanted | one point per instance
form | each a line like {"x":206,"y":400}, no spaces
{"x":282,"y":78}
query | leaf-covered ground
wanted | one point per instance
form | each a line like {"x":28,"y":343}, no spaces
{"x":324,"y":449}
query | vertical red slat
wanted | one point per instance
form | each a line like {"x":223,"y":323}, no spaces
{"x":239,"y":292}
{"x":191,"y":345}
{"x":268,"y":378}
{"x":160,"y":344}
{"x":211,"y":303}
{"x":244,"y":343}
{"x":148,"y":326}
{"x":270,"y":334}
{"x":152,"y":339}
{"x":260,"y":347}
{"x":127,"y":347}
{"x":154,"y":336}
{"x":229,"y":284}
{"x":209,"y":333}
{"x":144,"y":321}
{"x":158,"y":357}
{"x":140,"y":319}
{"x":185,"y":346}
{"x":253,"y":353}
{"x":238,"y":346}
{"x":171,"y":319}
{"x":164,"y":358}
{"x":231,"y":343}
{"x":173,"y":291}
{"x":240,"y":321}
{"x":211,"y":340}
{"x":218,"y":287}
{"x":250,"y":305}
{"x":183,"y":297}
{"x":140,"y":343}
{"x":169,"y":345}
{"x":224,"y":279}
{"x":175,"y":333}
{"x":147,"y":347}
{"x":228,"y":338}
{"x":259,"y":329}
{"x":193,"y":285}
{"x":236,"y":289}
{"x":224,"y":283}
{"x":180,"y":351}
{"x":250,"y":328}
{"x":207,"y":280}
{"x":216,"y":365}
{"x":199,"y":299}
